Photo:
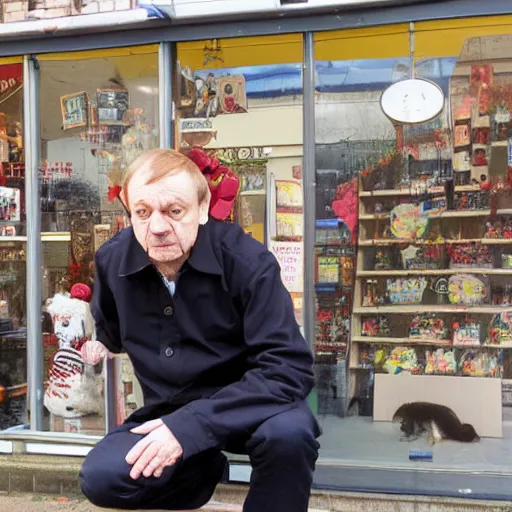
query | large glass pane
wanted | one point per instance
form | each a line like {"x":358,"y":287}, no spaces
{"x":13,"y":355}
{"x":99,"y":111}
{"x":422,"y":213}
{"x":241,"y":99}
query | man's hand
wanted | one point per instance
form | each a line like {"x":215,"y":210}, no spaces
{"x":94,"y":351}
{"x":158,"y":450}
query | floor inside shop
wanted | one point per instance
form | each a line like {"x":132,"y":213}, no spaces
{"x":359,"y":441}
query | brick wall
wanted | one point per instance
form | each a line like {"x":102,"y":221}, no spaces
{"x":20,"y":10}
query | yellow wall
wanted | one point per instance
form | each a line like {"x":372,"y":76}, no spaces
{"x":445,"y":38}
{"x":243,"y":51}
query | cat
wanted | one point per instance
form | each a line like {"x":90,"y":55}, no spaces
{"x":439,"y":421}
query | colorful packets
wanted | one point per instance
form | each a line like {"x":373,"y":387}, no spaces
{"x":407,"y":221}
{"x":428,"y":327}
{"x":440,"y":362}
{"x":406,"y":290}
{"x":466,"y":290}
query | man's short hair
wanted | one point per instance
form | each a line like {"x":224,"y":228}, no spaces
{"x":160,"y":163}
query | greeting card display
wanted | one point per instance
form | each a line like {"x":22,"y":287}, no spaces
{"x":440,"y":362}
{"x":406,"y":221}
{"x":466,"y":333}
{"x":466,"y":290}
{"x":428,"y":327}
{"x":406,"y":290}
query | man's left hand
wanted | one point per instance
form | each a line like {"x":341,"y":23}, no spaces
{"x":158,"y":450}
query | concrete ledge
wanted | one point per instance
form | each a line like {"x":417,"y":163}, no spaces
{"x":57,"y":477}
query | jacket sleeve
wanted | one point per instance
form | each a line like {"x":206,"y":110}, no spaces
{"x":280,"y":362}
{"x":104,"y":310}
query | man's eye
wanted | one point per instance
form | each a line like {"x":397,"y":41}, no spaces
{"x":141,"y":212}
{"x":176,"y":211}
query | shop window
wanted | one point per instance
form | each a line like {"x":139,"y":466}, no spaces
{"x":13,"y":336}
{"x":414,"y":280}
{"x":241,"y":100}
{"x":99,"y":111}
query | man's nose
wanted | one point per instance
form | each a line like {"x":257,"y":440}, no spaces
{"x":158,"y":224}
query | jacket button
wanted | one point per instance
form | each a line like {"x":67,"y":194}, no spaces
{"x":168,"y":311}
{"x":169,"y":352}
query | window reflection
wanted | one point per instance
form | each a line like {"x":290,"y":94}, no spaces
{"x":98,"y":115}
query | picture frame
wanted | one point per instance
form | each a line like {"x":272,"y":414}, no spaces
{"x":74,"y":110}
{"x":112,"y":105}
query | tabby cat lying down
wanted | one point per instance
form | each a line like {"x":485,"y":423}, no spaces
{"x":439,"y":421}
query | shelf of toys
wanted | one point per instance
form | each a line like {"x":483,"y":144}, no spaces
{"x":433,"y":284}
{"x":433,"y":289}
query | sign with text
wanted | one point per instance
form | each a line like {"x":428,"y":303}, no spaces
{"x":11,"y":80}
{"x":290,"y":258}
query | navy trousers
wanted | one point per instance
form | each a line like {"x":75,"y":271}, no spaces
{"x":282,"y":451}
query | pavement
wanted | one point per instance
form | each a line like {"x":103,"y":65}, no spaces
{"x":37,"y":503}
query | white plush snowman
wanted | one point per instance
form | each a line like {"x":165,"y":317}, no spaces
{"x":74,"y":389}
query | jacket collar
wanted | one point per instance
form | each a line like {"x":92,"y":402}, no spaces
{"x":203,"y":256}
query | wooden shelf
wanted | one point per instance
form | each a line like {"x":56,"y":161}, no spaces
{"x":402,"y":241}
{"x":442,"y":215}
{"x":13,"y":239}
{"x":437,"y":272}
{"x":60,"y":236}
{"x":414,"y":191}
{"x":415,"y":341}
{"x":400,"y":341}
{"x":420,"y":308}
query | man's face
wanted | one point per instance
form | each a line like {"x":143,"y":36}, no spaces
{"x":166,"y":215}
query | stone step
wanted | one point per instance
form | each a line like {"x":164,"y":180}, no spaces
{"x":54,"y":481}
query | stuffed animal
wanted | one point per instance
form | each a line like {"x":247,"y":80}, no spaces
{"x":74,"y":388}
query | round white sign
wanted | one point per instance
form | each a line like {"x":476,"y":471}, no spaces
{"x":412,"y":101}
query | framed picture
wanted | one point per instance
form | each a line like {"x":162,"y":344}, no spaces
{"x":112,"y":105}
{"x":74,"y":110}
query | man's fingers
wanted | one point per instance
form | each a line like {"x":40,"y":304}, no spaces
{"x":147,"y":427}
{"x":137,"y":450}
{"x":149,"y":454}
{"x":152,"y":466}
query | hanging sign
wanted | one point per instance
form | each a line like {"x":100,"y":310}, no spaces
{"x":11,"y":80}
{"x":412,"y":101}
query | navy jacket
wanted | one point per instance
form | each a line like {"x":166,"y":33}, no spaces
{"x":219,"y":357}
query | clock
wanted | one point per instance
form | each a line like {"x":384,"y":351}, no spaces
{"x":412,"y":101}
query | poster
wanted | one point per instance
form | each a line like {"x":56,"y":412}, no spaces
{"x":290,"y":257}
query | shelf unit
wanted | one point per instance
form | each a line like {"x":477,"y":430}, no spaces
{"x":370,"y":239}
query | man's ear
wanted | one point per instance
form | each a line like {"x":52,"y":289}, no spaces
{"x":203,"y":212}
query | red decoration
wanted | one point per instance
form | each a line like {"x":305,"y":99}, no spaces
{"x":81,"y":291}
{"x":223,"y":183}
{"x":114,"y":192}
{"x":345,"y":206}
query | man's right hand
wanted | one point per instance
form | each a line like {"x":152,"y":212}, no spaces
{"x":94,"y":352}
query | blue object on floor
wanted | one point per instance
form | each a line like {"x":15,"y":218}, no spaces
{"x":421,"y":455}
